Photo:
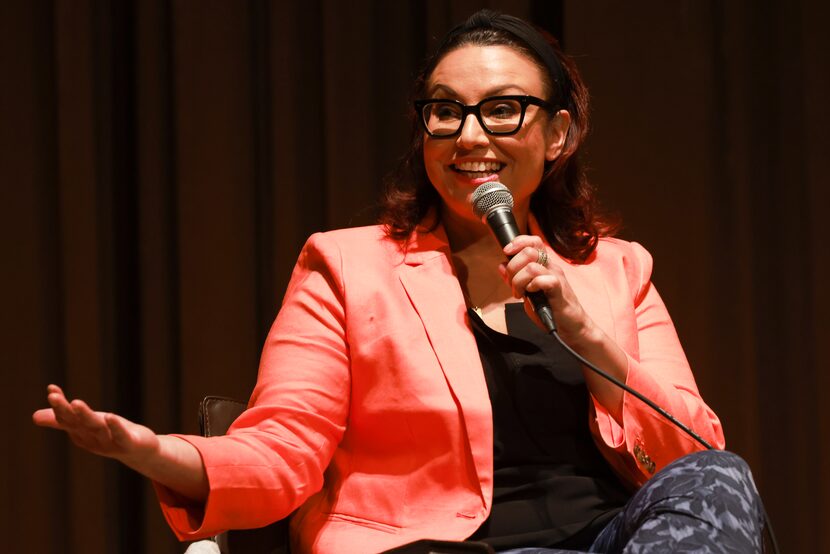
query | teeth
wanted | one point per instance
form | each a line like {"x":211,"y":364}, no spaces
{"x":478,"y":166}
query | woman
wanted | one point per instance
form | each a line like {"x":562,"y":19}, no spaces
{"x":404,"y":392}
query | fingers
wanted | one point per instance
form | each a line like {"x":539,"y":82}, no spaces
{"x":121,"y":436}
{"x":534,"y":277}
{"x":86,"y":418}
{"x":46,"y":418}
{"x":90,"y":429}
{"x":75,"y":415}
{"x":521,"y":242}
{"x":524,"y":272}
{"x":64,"y":414}
{"x":86,"y":428}
{"x":525,"y":250}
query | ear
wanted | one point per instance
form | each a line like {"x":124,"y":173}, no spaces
{"x":557,"y":133}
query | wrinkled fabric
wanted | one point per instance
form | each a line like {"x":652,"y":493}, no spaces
{"x":371,"y":412}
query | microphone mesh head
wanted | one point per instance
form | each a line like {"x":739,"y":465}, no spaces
{"x":490,"y":196}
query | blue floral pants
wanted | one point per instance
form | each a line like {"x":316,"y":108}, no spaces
{"x":702,"y":502}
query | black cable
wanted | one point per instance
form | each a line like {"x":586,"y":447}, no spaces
{"x":493,"y":203}
{"x":651,"y":404}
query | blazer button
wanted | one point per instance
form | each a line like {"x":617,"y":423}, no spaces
{"x":644,"y":459}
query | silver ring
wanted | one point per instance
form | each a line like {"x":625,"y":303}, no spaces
{"x":543,"y":258}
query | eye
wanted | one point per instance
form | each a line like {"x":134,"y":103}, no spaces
{"x":445,"y":111}
{"x":502,"y":109}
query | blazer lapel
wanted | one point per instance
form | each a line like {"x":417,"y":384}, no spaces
{"x":433,"y":289}
{"x":435,"y":293}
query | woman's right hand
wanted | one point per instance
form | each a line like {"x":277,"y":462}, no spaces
{"x":169,"y":460}
{"x":102,"y":433}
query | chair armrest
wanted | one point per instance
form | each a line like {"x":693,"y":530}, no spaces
{"x":216,"y":414}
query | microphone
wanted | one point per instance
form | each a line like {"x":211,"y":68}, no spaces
{"x":493,"y":204}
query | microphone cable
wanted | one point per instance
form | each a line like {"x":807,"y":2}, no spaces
{"x":493,"y":203}
{"x":657,"y":408}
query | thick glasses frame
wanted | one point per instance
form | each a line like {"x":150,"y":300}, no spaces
{"x":523,"y":100}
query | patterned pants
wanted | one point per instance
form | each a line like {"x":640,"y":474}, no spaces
{"x":702,"y":502}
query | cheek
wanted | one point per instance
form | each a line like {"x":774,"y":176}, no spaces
{"x":434,"y":158}
{"x":432,"y":168}
{"x":434,"y":150}
{"x":535,"y":152}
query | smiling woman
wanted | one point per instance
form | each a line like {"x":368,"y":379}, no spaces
{"x":455,"y":163}
{"x":408,"y":391}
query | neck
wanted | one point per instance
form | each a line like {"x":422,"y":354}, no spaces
{"x":476,"y":255}
{"x":466,"y":235}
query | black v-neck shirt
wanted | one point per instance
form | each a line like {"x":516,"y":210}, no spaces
{"x":552,"y":486}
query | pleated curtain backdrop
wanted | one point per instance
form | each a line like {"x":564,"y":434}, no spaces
{"x":163,"y":163}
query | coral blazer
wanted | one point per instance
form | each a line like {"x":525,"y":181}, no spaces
{"x":371,"y":412}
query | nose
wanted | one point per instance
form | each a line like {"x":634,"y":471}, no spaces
{"x":472,"y":135}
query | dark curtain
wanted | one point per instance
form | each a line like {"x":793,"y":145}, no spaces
{"x":162,"y":164}
{"x":710,"y":135}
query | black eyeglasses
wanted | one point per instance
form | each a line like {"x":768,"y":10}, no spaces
{"x":498,"y":115}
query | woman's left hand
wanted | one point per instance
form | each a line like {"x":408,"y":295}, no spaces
{"x":524,"y":273}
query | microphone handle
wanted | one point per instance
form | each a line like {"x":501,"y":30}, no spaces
{"x":504,"y":226}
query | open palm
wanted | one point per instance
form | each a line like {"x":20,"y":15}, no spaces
{"x":101,"y":433}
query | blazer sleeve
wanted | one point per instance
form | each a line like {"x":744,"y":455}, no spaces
{"x":274,"y":455}
{"x":646,"y":441}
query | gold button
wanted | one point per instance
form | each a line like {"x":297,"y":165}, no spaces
{"x":644,"y":459}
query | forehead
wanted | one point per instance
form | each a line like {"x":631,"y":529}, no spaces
{"x":476,"y":71}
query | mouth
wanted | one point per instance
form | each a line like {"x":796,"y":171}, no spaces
{"x":477,"y":170}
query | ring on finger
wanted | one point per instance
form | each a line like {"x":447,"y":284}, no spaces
{"x":543,"y":257}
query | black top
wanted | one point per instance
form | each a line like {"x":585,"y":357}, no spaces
{"x":552,"y":486}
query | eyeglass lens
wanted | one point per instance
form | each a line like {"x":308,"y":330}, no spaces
{"x":498,"y":116}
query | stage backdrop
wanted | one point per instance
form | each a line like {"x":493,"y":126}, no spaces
{"x":163,"y":163}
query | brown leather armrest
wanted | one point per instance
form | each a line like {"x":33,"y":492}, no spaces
{"x":217,"y":413}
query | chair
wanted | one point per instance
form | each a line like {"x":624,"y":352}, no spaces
{"x":215,"y":416}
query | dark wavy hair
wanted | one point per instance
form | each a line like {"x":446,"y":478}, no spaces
{"x":565,"y":204}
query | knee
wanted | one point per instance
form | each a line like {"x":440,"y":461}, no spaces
{"x":717,"y":473}
{"x":710,"y":492}
{"x":715,"y":464}
{"x":714,"y":458}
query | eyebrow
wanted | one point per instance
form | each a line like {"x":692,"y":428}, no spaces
{"x":496,"y":91}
